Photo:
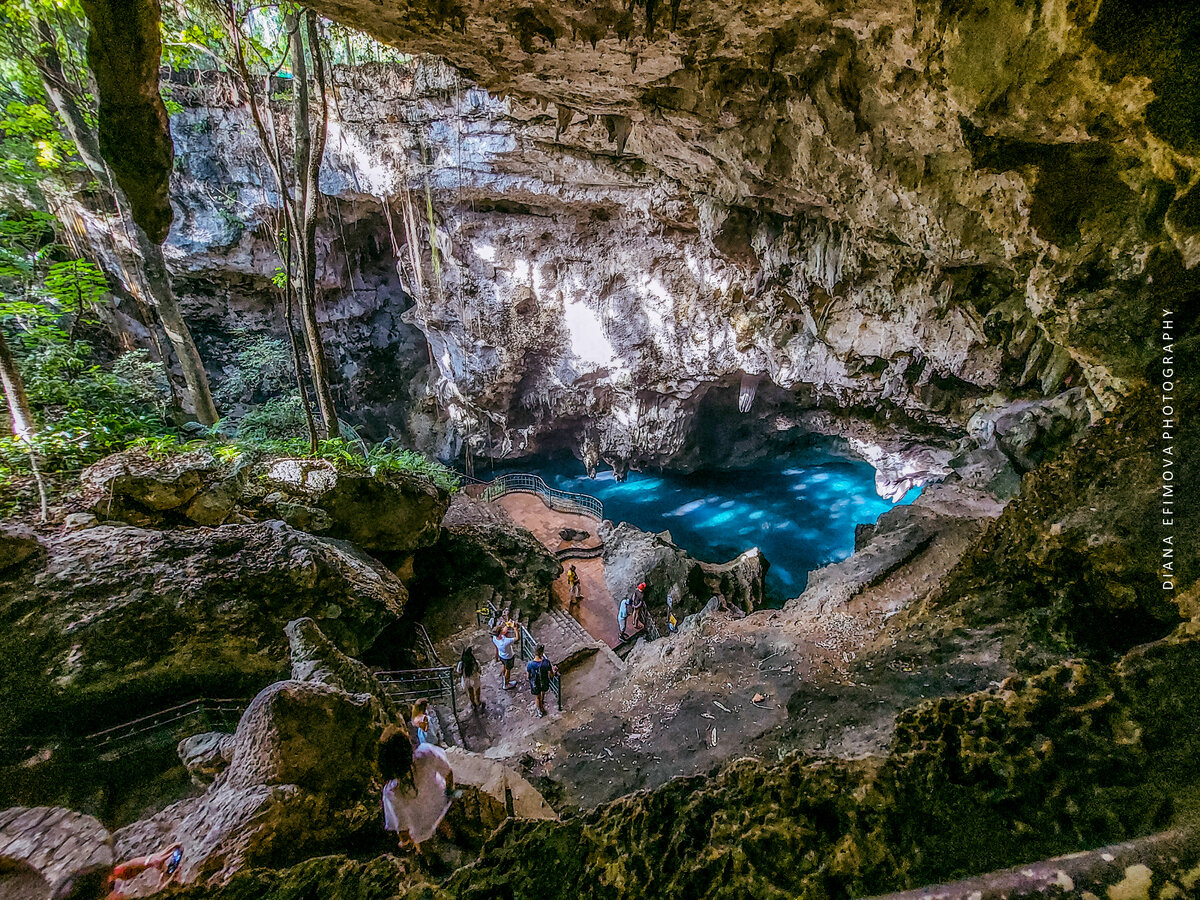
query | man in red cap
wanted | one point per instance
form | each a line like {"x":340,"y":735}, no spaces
{"x":631,"y":608}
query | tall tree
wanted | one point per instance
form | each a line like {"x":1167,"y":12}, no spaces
{"x":152,"y":265}
{"x":300,"y":194}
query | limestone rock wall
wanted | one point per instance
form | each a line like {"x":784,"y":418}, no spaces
{"x":605,"y":282}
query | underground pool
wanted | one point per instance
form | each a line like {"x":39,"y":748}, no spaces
{"x":800,"y":510}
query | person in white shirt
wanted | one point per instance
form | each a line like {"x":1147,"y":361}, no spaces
{"x":419,"y":787}
{"x":505,"y":640}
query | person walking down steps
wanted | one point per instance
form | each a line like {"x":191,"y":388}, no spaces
{"x":505,"y":639}
{"x":418,"y":789}
{"x":540,"y":671}
{"x":468,"y":671}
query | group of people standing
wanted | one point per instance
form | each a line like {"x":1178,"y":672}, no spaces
{"x":631,"y":613}
{"x":506,"y":643}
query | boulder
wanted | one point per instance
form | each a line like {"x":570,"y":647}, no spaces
{"x":392,"y":512}
{"x":47,"y":851}
{"x":316,"y":659}
{"x":632,"y":556}
{"x":386,"y":512}
{"x":135,"y":487}
{"x":206,"y":755}
{"x":124,"y":618}
{"x":299,"y":783}
{"x":17,"y":544}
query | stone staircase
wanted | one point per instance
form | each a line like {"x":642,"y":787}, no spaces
{"x":567,"y":642}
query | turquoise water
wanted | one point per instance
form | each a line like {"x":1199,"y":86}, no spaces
{"x":800,"y":511}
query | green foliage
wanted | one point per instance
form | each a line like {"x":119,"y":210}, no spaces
{"x":262,"y":366}
{"x":87,"y":411}
{"x":76,"y":284}
{"x":273,"y":421}
{"x":348,"y":455}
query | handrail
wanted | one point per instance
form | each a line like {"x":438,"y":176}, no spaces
{"x":427,"y":642}
{"x":164,"y":719}
{"x":562,"y":501}
{"x":436,"y":683}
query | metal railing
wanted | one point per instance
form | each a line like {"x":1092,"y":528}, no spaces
{"x":435,"y":684}
{"x":166,"y":727}
{"x":425,"y":645}
{"x":562,"y":501}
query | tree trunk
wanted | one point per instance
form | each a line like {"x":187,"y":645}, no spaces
{"x":178,"y":333}
{"x":21,"y":415}
{"x":154,"y":270}
{"x":291,"y":331}
{"x":307,"y":162}
{"x":19,"y":410}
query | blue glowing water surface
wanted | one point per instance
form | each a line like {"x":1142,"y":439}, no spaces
{"x":800,"y":511}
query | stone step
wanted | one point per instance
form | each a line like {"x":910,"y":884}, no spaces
{"x":567,"y":642}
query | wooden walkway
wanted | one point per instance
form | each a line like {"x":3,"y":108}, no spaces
{"x":596,"y":611}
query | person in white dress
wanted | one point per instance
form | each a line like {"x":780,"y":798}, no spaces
{"x":419,"y":787}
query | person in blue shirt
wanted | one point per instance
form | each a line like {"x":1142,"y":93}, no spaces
{"x":540,"y":671}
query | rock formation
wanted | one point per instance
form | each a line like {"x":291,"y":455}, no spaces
{"x":298,"y":784}
{"x":632,"y":556}
{"x":635,"y":311}
{"x":477,"y":559}
{"x":384,"y":512}
{"x":122,"y":618}
{"x":315,"y":658}
{"x":910,"y":206}
{"x":47,"y":852}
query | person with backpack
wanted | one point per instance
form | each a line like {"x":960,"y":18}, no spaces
{"x":468,"y":670}
{"x":540,"y":671}
{"x":631,"y":608}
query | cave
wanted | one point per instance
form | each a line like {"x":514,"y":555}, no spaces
{"x":607,"y":451}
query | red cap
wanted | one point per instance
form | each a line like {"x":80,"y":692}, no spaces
{"x":642,"y":586}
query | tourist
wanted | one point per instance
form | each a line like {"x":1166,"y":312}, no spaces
{"x":631,"y":608}
{"x":573,"y":583}
{"x":637,"y":609}
{"x":166,"y":862}
{"x":418,"y":789}
{"x":540,"y":671}
{"x":673,"y":598}
{"x":505,"y":640}
{"x":426,"y":734}
{"x":468,"y":671}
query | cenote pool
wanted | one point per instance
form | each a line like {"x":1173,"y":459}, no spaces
{"x":800,"y":511}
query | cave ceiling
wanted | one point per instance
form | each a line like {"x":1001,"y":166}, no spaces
{"x":1054,"y":143}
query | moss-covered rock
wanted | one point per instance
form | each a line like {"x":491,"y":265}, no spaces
{"x":121,"y":620}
